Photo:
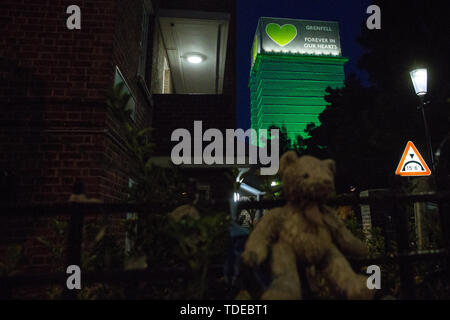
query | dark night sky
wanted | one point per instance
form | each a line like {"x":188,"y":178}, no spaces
{"x":349,"y":14}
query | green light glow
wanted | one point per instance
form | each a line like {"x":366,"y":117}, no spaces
{"x":255,"y":48}
{"x":289,"y":90}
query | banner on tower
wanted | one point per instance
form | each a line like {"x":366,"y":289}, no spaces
{"x":293,"y":36}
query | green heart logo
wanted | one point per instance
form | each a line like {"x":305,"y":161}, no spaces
{"x":281,"y":35}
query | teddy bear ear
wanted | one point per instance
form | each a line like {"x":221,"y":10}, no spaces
{"x":287,"y":159}
{"x":331,"y":165}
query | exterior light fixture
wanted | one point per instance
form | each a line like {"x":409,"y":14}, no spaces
{"x":194,"y":58}
{"x":273,"y":183}
{"x":419,"y":80}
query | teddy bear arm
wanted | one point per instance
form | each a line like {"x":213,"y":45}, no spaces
{"x":262,"y":237}
{"x":344,"y":238}
{"x":269,"y":226}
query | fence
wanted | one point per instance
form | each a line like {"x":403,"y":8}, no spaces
{"x":404,"y":258}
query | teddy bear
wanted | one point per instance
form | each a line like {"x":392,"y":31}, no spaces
{"x":305,"y":232}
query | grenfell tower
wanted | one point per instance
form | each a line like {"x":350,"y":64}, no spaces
{"x":292,"y":63}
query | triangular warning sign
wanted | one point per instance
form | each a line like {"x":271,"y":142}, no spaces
{"x":412,"y":163}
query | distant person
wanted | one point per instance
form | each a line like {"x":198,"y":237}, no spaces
{"x":241,"y":226}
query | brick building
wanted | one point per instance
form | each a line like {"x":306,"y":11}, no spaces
{"x":54,"y":124}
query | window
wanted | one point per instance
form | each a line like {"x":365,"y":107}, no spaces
{"x":143,"y":43}
{"x":118,"y":78}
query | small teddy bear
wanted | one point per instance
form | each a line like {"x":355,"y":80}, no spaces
{"x":306,"y":232}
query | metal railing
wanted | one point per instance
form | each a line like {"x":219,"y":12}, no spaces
{"x":404,"y":257}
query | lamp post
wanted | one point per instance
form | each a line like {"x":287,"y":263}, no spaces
{"x":419,"y":80}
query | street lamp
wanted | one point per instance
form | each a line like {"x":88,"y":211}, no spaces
{"x":419,"y":80}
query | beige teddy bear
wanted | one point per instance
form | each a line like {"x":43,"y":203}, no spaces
{"x":306,"y":232}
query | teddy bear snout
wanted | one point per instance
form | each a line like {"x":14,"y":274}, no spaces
{"x":323,"y":188}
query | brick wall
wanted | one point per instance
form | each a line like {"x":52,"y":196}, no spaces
{"x":53,"y":87}
{"x":54,"y":126}
{"x":46,"y":58}
{"x":126,"y":56}
{"x":53,"y":82}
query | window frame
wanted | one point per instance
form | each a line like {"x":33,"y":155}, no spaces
{"x":132,"y":102}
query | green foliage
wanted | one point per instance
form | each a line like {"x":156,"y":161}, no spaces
{"x":56,"y":244}
{"x":284,"y":142}
{"x":189,"y":244}
{"x":161,"y":188}
{"x":432,"y":280}
{"x":366,"y":128}
{"x":136,"y":140}
{"x":200,"y":239}
{"x":101,"y":291}
{"x":150,"y":234}
{"x":198,"y":243}
{"x":272,"y":192}
{"x":377,"y":247}
{"x":154,"y":185}
{"x":101,"y":251}
{"x":9,"y":262}
{"x":430,"y":276}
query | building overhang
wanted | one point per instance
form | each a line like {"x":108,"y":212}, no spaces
{"x":187,"y":33}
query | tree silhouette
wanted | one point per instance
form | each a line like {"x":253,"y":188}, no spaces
{"x":365,"y":129}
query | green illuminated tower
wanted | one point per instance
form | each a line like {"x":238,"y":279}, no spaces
{"x":293,"y":62}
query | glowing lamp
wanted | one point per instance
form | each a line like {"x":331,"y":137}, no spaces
{"x":194,"y":58}
{"x":419,"y":80}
